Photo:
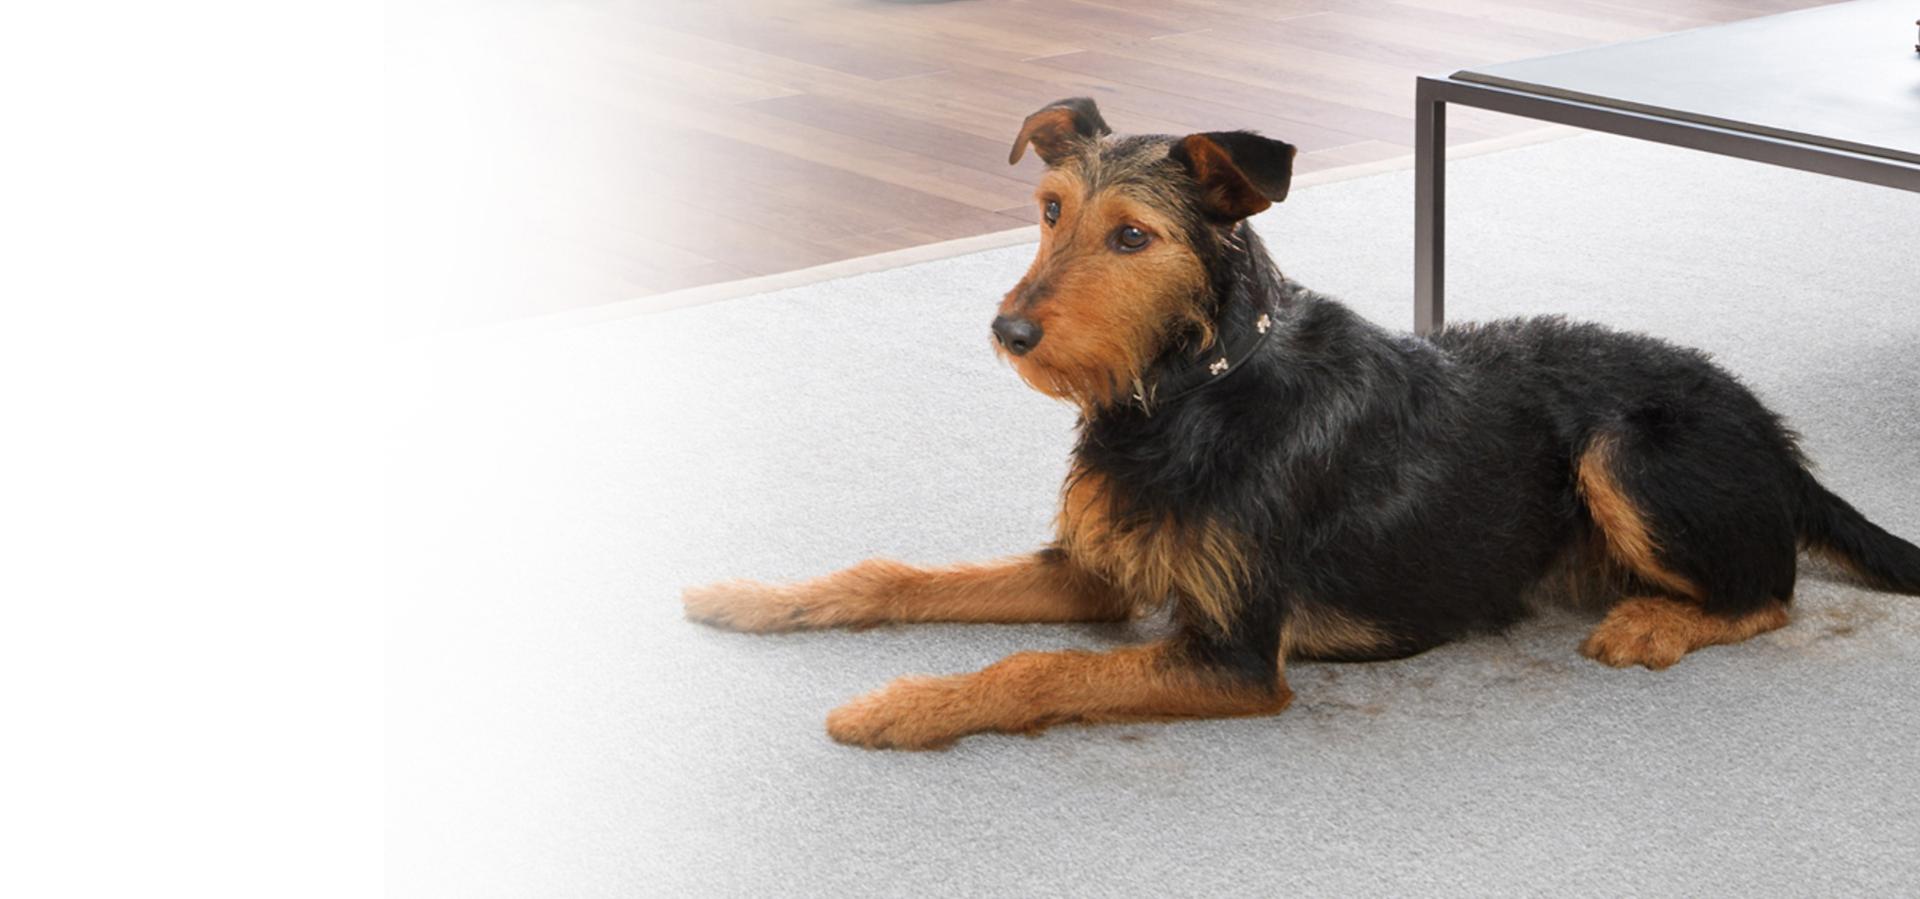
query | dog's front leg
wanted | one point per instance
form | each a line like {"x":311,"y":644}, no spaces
{"x":1042,"y":587}
{"x":1029,"y":691}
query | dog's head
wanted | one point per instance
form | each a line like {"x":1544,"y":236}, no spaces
{"x":1134,"y":234}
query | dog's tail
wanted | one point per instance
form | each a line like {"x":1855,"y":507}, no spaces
{"x":1832,"y":527}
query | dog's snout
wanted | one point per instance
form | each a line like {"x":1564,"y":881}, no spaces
{"x":1018,"y":335}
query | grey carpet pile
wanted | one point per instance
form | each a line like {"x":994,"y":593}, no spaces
{"x":557,"y":729}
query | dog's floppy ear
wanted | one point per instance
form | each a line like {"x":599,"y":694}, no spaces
{"x":1240,"y":173}
{"x":1056,"y":126}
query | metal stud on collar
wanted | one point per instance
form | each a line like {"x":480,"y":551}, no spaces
{"x":1168,"y":386}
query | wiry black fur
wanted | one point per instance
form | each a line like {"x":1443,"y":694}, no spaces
{"x":1425,"y":485}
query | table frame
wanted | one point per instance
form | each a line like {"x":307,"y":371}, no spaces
{"x":1431,"y":96}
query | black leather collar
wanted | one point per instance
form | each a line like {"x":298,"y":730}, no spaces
{"x":1240,"y":331}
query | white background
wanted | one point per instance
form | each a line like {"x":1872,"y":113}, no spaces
{"x":190,"y":238}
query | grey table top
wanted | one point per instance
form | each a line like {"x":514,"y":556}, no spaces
{"x":1844,"y":76}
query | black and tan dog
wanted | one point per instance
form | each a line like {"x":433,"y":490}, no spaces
{"x":1300,"y":484}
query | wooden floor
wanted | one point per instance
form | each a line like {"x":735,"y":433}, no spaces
{"x":553,"y":155}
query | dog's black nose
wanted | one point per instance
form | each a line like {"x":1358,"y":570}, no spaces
{"x":1018,"y":335}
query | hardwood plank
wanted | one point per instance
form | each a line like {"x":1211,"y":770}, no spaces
{"x":1570,"y":21}
{"x":874,"y":122}
{"x":1377,"y":40}
{"x":1660,"y":19}
{"x":1351,"y":154}
{"x":784,"y":34}
{"x":1308,"y":122}
{"x":987,"y":185}
{"x":1349,"y":83}
{"x":734,"y":59}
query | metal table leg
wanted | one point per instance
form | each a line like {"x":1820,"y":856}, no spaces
{"x":1429,"y":201}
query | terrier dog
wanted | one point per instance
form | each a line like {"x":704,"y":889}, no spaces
{"x":1300,"y":484}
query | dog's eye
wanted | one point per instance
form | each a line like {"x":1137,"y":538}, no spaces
{"x":1052,"y":212}
{"x":1129,"y":239}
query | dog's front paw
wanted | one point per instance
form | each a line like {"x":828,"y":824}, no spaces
{"x":748,"y":606}
{"x":910,"y":713}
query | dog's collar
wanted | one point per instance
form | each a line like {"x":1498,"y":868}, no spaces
{"x":1239,"y":333}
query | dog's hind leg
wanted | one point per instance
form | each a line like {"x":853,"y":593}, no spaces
{"x":1702,"y":531}
{"x":1656,"y":631}
{"x":1030,"y":691}
{"x":1042,"y":587}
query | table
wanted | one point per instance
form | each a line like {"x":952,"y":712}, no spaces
{"x":1833,"y":90}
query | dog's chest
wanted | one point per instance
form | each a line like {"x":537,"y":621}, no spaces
{"x":1097,"y":536}
{"x":1150,"y":558}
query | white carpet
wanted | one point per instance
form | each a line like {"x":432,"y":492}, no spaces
{"x":558,"y":730}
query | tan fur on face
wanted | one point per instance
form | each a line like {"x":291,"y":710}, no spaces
{"x":1104,"y":315}
{"x":1201,"y":564}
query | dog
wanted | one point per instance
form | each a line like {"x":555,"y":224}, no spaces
{"x":1299,"y":484}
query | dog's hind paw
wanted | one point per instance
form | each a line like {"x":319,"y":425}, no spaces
{"x":1657,"y":632}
